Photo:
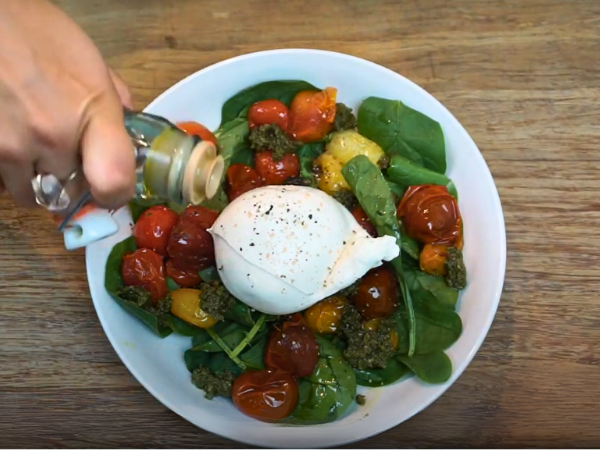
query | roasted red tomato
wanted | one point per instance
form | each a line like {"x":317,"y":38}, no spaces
{"x":241,"y":179}
{"x":430,"y":214}
{"x":377,"y":295}
{"x":196,"y":129}
{"x":363,"y":220}
{"x":292,"y":348}
{"x":276,"y":172}
{"x":265,"y":395}
{"x":145,"y":268}
{"x":201,"y":216}
{"x":153,"y":228}
{"x":191,"y":247}
{"x":184,"y":278}
{"x":312,"y":114}
{"x":267,"y":112}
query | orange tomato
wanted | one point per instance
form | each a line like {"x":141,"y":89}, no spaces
{"x":312,"y":114}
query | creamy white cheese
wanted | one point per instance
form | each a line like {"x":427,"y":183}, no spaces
{"x":281,"y":249}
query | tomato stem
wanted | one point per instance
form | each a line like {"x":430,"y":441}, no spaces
{"x":242,"y":345}
{"x":225,"y":348}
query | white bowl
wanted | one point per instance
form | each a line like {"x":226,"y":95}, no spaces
{"x":158,"y":364}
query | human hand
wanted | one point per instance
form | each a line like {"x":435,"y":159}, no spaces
{"x":60,"y":106}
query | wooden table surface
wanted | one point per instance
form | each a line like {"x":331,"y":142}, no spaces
{"x":523,"y":77}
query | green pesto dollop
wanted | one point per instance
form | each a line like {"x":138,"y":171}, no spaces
{"x":271,"y":137}
{"x":351,"y":290}
{"x":141,"y":297}
{"x":215,"y":299}
{"x":213,"y":384}
{"x":344,"y":118}
{"x":297,"y":181}
{"x":366,"y":349}
{"x":346,"y":197}
{"x":456,"y":271}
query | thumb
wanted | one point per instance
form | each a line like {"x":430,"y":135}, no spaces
{"x":107,"y":154}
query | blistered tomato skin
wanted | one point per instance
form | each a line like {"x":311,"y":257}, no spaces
{"x":201,"y":216}
{"x":276,"y":172}
{"x":312,"y":114}
{"x":377,"y":295}
{"x":433,"y":259}
{"x":145,"y":268}
{"x":153,"y":228}
{"x":292,"y":348}
{"x":430,"y":214}
{"x":266,"y":395}
{"x":363,"y":220}
{"x":196,"y":129}
{"x":184,"y":278}
{"x":268,"y":112}
{"x":191,"y":247}
{"x":325,"y":317}
{"x":241,"y":179}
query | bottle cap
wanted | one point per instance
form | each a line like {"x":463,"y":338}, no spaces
{"x":203,"y":173}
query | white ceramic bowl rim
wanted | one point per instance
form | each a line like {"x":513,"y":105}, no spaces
{"x":488,"y":227}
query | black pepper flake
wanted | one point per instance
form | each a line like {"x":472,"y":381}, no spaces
{"x":269,"y":211}
{"x":344,"y":243}
{"x":310,"y":216}
{"x":220,"y":268}
{"x":241,"y":249}
{"x":251,"y":244}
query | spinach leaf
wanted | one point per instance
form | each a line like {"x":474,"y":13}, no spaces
{"x":424,"y":286}
{"x":232,"y":335}
{"x":210,"y":274}
{"x":373,"y":194}
{"x":241,"y":314}
{"x":401,"y":130}
{"x":113,"y":282}
{"x":217,"y":362}
{"x":307,"y":154}
{"x":183,"y":328}
{"x":328,"y":392}
{"x":284,"y":91}
{"x":437,"y":328}
{"x":404,"y":173}
{"x":172,"y":285}
{"x":201,"y":337}
{"x":253,"y":357}
{"x":393,"y":371}
{"x":432,"y":368}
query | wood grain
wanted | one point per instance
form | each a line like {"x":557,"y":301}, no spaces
{"x":524,"y":79}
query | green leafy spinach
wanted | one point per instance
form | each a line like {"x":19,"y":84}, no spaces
{"x":404,"y":173}
{"x":401,"y":130}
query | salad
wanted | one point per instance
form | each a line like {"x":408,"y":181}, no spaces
{"x":299,"y":358}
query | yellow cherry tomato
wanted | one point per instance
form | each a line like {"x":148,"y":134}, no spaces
{"x":330,"y":178}
{"x":186,"y":305}
{"x":433,"y":259}
{"x":345,"y":145}
{"x":324,"y":317}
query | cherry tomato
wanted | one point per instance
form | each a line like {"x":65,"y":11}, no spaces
{"x":267,"y":112}
{"x":185,"y":304}
{"x":184,"y":278}
{"x":433,"y":259}
{"x":276,"y":172}
{"x":153,"y":228}
{"x":377,"y":294}
{"x":191,"y":247}
{"x":201,"y":216}
{"x":325,"y":317}
{"x":430,"y":214}
{"x":292,"y":348}
{"x":241,"y":179}
{"x":312,"y":114}
{"x":363,"y":220}
{"x":145,"y":268}
{"x":266,"y":395}
{"x":196,"y":129}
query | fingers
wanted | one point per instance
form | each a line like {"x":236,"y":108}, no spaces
{"x":17,"y":180}
{"x":122,"y":90}
{"x":107,"y":153}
